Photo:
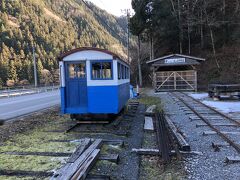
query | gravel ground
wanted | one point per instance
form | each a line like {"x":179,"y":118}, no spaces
{"x":211,"y":164}
{"x":128,"y":166}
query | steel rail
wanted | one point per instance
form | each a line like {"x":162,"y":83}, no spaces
{"x":222,"y":114}
{"x":227,"y":139}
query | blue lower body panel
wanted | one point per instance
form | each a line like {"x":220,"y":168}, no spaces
{"x":101,"y":100}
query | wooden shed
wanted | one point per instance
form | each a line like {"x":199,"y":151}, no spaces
{"x":175,"y":72}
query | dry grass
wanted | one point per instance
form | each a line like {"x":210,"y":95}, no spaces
{"x":52,"y":15}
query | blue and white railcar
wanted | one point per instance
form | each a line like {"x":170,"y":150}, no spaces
{"x":93,"y":81}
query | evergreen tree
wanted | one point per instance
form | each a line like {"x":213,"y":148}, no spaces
{"x":12,"y":74}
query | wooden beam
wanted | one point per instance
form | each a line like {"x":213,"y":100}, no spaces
{"x":155,"y":152}
{"x":148,"y":124}
{"x":110,"y":157}
{"x":79,"y":151}
{"x":232,"y":159}
{"x":150,"y":110}
{"x":67,"y":171}
{"x":82,"y":172}
{"x":52,"y":154}
{"x":184,"y":146}
{"x":97,"y":177}
{"x":146,"y":151}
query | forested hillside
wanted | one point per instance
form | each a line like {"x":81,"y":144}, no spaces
{"x":51,"y":26}
{"x":203,"y":28}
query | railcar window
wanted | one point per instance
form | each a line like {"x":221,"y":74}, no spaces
{"x":127,"y":76}
{"x":106,"y":70}
{"x":77,"y":70}
{"x":125,"y":72}
{"x":102,"y":70}
{"x":119,"y":71}
{"x":96,"y":70}
{"x":122,"y":72}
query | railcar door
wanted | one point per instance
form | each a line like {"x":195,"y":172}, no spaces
{"x":76,"y":86}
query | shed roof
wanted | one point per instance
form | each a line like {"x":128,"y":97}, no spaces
{"x":190,"y":60}
{"x":115,"y":56}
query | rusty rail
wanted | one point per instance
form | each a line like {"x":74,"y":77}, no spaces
{"x":226,"y":138}
{"x":220,"y":113}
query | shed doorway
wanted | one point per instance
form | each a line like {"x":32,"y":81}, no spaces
{"x":175,"y":80}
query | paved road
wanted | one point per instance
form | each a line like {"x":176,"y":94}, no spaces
{"x":21,"y":105}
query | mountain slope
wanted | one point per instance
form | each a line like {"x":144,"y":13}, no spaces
{"x":53,"y":27}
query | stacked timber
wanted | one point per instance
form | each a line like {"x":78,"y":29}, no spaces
{"x":79,"y":164}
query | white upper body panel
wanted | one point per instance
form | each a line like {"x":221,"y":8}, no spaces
{"x":88,"y":55}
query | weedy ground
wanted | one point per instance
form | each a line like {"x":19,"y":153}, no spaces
{"x":33,"y":134}
{"x":36,"y":139}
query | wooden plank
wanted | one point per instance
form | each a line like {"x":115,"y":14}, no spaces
{"x":150,"y":110}
{"x":86,"y":143}
{"x":179,"y":138}
{"x":110,"y":157}
{"x":117,"y":121}
{"x":114,"y":142}
{"x":146,"y":151}
{"x":156,"y":152}
{"x":21,"y":173}
{"x":93,"y":122}
{"x":148,"y":124}
{"x":214,"y":145}
{"x":70,"y":168}
{"x":232,"y":159}
{"x":105,"y":141}
{"x":188,"y":153}
{"x":117,"y":133}
{"x":97,"y":177}
{"x":52,"y":154}
{"x":82,"y":172}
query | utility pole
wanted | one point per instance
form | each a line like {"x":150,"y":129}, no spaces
{"x":127,"y":13}
{"x":35,"y":67}
{"x":128,"y":31}
{"x":139,"y":61}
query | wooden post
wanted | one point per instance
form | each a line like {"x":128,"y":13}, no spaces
{"x":139,"y":62}
{"x":154,"y":79}
{"x":195,"y":80}
{"x":175,"y":81}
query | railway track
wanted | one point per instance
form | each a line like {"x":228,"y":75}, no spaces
{"x":226,"y":127}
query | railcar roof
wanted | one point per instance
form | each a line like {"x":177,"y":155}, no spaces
{"x":115,"y":56}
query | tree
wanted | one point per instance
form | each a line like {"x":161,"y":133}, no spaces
{"x":12,"y":75}
{"x":46,"y":77}
{"x":39,"y":69}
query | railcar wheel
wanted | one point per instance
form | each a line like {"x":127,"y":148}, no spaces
{"x":73,"y":116}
